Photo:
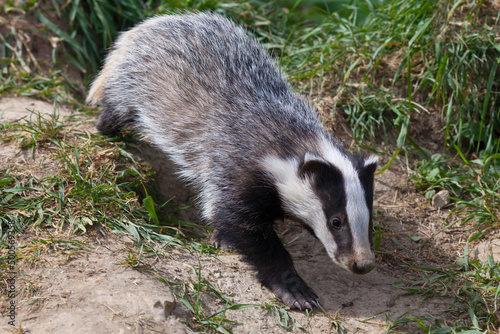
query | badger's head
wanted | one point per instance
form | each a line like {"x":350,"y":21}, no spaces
{"x":332,"y":194}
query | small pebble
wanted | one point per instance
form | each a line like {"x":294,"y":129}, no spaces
{"x":441,"y":199}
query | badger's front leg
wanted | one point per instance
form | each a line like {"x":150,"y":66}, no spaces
{"x":263,"y":249}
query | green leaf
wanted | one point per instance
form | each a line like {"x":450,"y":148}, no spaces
{"x":415,"y":238}
{"x":20,"y":189}
{"x":432,"y":174}
{"x":133,"y":230}
{"x":423,"y":27}
{"x":149,"y":204}
{"x":6,"y":181}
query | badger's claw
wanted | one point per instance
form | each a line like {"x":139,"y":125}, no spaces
{"x":217,"y":242}
{"x":295,"y":293}
{"x":316,"y":303}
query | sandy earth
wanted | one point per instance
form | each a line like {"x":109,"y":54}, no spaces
{"x":89,"y":289}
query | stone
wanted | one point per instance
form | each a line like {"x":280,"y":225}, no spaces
{"x":169,"y":306}
{"x":483,"y":249}
{"x":162,"y":304}
{"x":441,"y":199}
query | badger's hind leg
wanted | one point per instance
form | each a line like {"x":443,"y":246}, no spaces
{"x":263,"y":249}
{"x":105,"y":123}
{"x":111,"y":120}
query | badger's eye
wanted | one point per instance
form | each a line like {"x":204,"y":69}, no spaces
{"x":335,"y":222}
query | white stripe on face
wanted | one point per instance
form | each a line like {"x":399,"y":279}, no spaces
{"x":300,"y":200}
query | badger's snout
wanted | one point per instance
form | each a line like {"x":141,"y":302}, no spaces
{"x":363,"y":266}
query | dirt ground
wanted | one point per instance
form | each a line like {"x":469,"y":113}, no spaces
{"x":89,"y":289}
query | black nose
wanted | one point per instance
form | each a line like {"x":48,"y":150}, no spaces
{"x":362,"y":267}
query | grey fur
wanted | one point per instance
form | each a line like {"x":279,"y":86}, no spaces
{"x":212,"y":99}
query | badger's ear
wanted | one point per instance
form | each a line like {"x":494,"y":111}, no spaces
{"x":370,"y":164}
{"x":311,"y":165}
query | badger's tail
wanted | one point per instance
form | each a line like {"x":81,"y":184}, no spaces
{"x":107,"y":121}
{"x":96,"y":89}
{"x":96,"y":92}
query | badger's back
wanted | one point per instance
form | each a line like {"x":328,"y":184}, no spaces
{"x":205,"y":93}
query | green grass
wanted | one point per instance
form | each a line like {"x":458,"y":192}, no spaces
{"x":474,"y":287}
{"x":384,"y":65}
{"x":190,"y":295}
{"x":96,"y":183}
{"x":474,"y":186}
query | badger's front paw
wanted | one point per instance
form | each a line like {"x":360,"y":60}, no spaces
{"x":218,"y":242}
{"x":294,"y":292}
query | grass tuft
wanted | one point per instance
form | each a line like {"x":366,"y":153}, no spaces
{"x":190,"y":295}
{"x":95,"y":185}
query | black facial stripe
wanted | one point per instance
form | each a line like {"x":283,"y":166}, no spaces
{"x":367,"y":185}
{"x":366,"y":177}
{"x":330,"y":188}
{"x":343,"y":237}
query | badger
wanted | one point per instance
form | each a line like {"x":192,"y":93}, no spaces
{"x":210,"y":97}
